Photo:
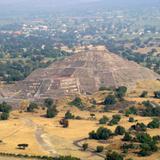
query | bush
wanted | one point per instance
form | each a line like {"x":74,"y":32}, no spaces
{"x":77,"y":102}
{"x":143,"y":137}
{"x":69,"y":115}
{"x":151,"y":109}
{"x":31,"y":107}
{"x":131,"y":119}
{"x":114,"y":156}
{"x":51,"y":112}
{"x":4,"y":107}
{"x":115,"y":120}
{"x":155,"y":123}
{"x":119,"y":130}
{"x":121,"y":92}
{"x":110,"y":100}
{"x":48,"y":102}
{"x":103,"y":120}
{"x":127,"y":137}
{"x":144,"y":94}
{"x":157,"y":94}
{"x":102,"y":88}
{"x":85,"y":146}
{"x":4,"y":116}
{"x":131,"y":110}
{"x":99,"y":149}
{"x":139,"y":127}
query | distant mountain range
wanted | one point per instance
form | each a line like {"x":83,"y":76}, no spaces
{"x":33,"y":7}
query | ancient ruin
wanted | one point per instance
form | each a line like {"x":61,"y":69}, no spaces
{"x":84,"y":73}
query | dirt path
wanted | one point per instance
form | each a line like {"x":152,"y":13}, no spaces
{"x":41,"y":137}
{"x":79,"y":143}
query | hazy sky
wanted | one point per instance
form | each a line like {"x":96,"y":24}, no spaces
{"x":30,"y":6}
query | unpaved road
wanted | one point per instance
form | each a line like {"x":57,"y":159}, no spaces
{"x":42,"y":137}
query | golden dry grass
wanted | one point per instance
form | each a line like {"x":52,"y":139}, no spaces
{"x":15,"y":131}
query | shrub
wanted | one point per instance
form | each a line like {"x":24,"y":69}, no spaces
{"x":144,"y":94}
{"x":102,"y":88}
{"x":155,"y":123}
{"x":85,"y":146}
{"x":121,"y":92}
{"x":77,"y":102}
{"x":4,"y":107}
{"x":132,"y":110}
{"x":48,"y":102}
{"x":31,"y":107}
{"x":51,"y":111}
{"x":127,"y":137}
{"x":139,"y":127}
{"x":119,"y":130}
{"x":114,"y":156}
{"x":157,"y":94}
{"x":131,"y":119}
{"x":115,"y":120}
{"x":103,"y":120}
{"x":69,"y":115}
{"x":99,"y":149}
{"x":110,"y":100}
{"x":4,"y":116}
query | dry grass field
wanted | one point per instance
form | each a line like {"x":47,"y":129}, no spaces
{"x":47,"y":137}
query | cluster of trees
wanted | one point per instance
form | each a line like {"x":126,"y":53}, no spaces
{"x":25,"y":54}
{"x":150,"y":60}
{"x":148,"y":144}
{"x":143,"y":141}
{"x":151,"y":110}
{"x":101,"y":134}
{"x":51,"y":108}
{"x":4,"y":111}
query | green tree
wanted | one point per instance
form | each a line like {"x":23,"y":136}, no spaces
{"x":48,"y":102}
{"x":110,"y":100}
{"x":121,"y":92}
{"x":119,"y":130}
{"x":4,"y":116}
{"x":52,"y":112}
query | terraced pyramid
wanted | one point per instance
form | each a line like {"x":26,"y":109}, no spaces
{"x":83,"y":73}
